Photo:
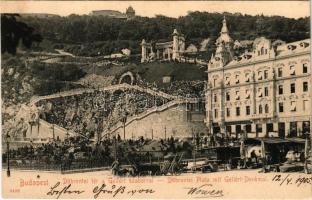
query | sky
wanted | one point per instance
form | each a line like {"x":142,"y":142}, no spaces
{"x":292,"y":9}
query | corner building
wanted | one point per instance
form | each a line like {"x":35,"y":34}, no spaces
{"x":261,"y":93}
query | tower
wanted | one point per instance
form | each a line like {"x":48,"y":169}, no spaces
{"x":130,"y":12}
{"x":175,"y":46}
{"x":224,"y":45}
{"x":215,"y":89}
{"x":143,"y":51}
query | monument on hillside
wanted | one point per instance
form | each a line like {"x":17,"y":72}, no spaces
{"x":171,"y":50}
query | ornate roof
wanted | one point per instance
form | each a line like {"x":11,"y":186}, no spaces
{"x":224,"y":34}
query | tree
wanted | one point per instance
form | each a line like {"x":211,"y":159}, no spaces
{"x":14,"y":31}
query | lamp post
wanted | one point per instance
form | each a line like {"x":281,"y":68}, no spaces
{"x":124,"y":120}
{"x":8,"y":154}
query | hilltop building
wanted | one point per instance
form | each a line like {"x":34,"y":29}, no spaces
{"x":171,"y":50}
{"x":130,"y":13}
{"x":263,"y":92}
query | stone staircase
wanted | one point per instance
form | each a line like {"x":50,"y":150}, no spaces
{"x":145,"y":114}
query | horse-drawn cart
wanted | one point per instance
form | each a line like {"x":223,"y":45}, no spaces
{"x":172,"y":165}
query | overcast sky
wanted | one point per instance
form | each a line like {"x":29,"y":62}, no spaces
{"x":293,"y":9}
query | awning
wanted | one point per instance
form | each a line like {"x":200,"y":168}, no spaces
{"x":238,"y":122}
{"x":276,"y":140}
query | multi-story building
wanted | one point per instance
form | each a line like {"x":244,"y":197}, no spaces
{"x":264,"y":92}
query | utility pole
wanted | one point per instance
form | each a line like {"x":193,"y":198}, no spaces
{"x":124,"y":127}
{"x":115,"y":148}
{"x":8,"y":154}
{"x":194,"y":146}
{"x":53,"y":133}
{"x":152,"y":134}
{"x":165,"y":132}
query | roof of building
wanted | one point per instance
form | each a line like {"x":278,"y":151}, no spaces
{"x":281,"y":51}
{"x":109,"y":13}
{"x":191,"y":49}
{"x":293,"y":47}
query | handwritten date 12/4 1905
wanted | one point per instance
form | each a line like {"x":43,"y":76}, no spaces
{"x":289,"y":179}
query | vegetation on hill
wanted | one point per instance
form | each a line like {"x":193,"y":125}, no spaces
{"x":93,"y":35}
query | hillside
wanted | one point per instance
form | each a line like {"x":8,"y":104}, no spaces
{"x":153,"y":72}
{"x":97,"y":35}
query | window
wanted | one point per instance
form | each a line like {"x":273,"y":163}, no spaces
{"x":258,"y":128}
{"x":247,"y":110}
{"x":266,"y":108}
{"x":247,"y":77}
{"x":305,"y":68}
{"x":292,"y":88}
{"x":247,"y":94}
{"x":293,"y":106}
{"x":237,"y":97}
{"x":215,"y":98}
{"x":228,"y":112}
{"x":216,"y":113}
{"x":260,"y":109}
{"x":280,"y":89}
{"x":259,"y":75}
{"x":227,"y":80}
{"x":305,"y":86}
{"x":236,"y":78}
{"x":215,"y":82}
{"x":266,"y":91}
{"x":237,"y":111}
{"x":266,"y":74}
{"x":292,"y":70}
{"x":280,"y":72}
{"x":260,"y":92}
{"x":280,"y":107}
{"x":306,"y":105}
{"x":228,"y":98}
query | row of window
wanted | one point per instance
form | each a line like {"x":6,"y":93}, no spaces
{"x":263,"y":91}
{"x":293,"y":106}
{"x":305,"y":88}
{"x":263,"y":75}
{"x":265,"y":109}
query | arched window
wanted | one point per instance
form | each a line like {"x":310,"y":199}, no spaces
{"x":266,"y":108}
{"x":260,"y":109}
{"x":262,"y":50}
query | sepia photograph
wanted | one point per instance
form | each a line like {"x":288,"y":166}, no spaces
{"x":156,"y":100}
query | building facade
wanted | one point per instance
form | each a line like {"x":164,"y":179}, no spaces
{"x":171,"y":50}
{"x":264,"y":92}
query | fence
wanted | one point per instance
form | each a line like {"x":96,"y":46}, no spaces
{"x":65,"y":166}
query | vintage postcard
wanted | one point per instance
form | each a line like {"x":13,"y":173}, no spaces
{"x":156,"y":100}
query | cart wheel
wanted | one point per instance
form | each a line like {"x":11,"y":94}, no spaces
{"x":178,"y":172}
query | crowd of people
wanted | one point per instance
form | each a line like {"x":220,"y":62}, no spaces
{"x":188,"y":89}
{"x":91,"y":113}
{"x":79,"y":152}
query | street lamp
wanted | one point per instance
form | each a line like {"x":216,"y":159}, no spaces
{"x":124,"y":120}
{"x":8,"y":154}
